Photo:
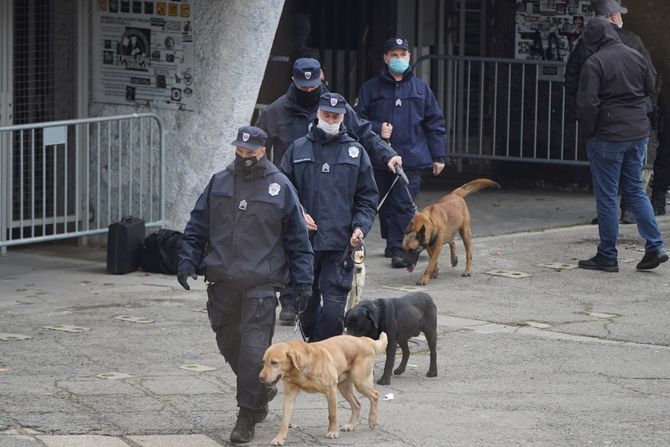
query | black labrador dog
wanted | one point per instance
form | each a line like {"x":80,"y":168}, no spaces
{"x":401,"y":318}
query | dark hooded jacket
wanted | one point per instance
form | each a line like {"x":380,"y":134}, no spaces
{"x":614,"y":87}
{"x":335,"y":183}
{"x":580,"y":53}
{"x":419,"y":134}
{"x":249,"y":231}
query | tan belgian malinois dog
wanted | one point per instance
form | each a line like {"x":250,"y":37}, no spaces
{"x":436,"y":225}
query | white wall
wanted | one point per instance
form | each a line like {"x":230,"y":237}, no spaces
{"x":232,"y":40}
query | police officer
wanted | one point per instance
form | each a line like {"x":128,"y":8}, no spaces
{"x":402,"y":109}
{"x":247,"y":232}
{"x":288,"y":118}
{"x":334,"y":179}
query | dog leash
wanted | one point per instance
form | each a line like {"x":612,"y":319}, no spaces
{"x":399,"y":175}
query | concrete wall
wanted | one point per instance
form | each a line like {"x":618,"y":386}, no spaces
{"x":232,"y":44}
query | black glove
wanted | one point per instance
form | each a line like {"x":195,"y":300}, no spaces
{"x":183,"y":275}
{"x":302,"y":298}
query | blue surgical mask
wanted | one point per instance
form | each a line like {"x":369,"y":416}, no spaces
{"x":398,"y":65}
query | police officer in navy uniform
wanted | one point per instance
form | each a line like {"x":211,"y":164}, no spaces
{"x":402,"y":109}
{"x":288,"y":118}
{"x":248,"y":234}
{"x":334,"y":179}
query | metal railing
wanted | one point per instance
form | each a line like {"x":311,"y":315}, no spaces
{"x":506,"y":109}
{"x":74,"y":178}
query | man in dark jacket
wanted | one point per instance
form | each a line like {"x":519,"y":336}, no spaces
{"x":612,"y":11}
{"x":288,"y":118}
{"x":402,"y":109}
{"x":334,"y":179}
{"x":613,"y":106}
{"x":248,"y":234}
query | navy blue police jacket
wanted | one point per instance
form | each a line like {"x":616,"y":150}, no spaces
{"x":419,"y":134}
{"x":285,"y":121}
{"x":335,"y":183}
{"x":249,"y":231}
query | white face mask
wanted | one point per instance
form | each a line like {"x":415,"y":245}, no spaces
{"x":329,"y":129}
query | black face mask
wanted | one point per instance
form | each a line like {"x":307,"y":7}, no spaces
{"x":307,"y":99}
{"x":246,"y":166}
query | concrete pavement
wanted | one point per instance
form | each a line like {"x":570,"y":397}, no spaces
{"x":562,"y":357}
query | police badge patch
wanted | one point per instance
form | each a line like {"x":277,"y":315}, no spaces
{"x":243,"y":205}
{"x":325,"y":168}
{"x":333,"y":102}
{"x":398,"y":41}
{"x":245,"y":136}
{"x":308,"y":74}
{"x":274,"y":189}
{"x":353,"y":151}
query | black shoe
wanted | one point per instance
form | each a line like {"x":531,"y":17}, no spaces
{"x":599,"y":262}
{"x":287,"y":315}
{"x":594,"y":221}
{"x":398,"y":262}
{"x":658,"y":201}
{"x":261,"y":414}
{"x":651,"y":260}
{"x":387,"y":252}
{"x":244,"y":427}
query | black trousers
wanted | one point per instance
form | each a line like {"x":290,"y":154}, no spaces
{"x":244,"y":322}
{"x":324,"y":315}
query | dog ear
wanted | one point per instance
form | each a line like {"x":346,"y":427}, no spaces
{"x":373,"y":317}
{"x":296,"y":359}
{"x":408,"y":228}
{"x":421,"y":235}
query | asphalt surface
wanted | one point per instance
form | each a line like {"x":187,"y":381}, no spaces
{"x":562,"y":357}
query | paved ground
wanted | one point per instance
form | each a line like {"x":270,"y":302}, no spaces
{"x":558,"y":358}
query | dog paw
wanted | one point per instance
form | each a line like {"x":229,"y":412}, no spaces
{"x":292,"y":425}
{"x":332,"y":434}
{"x":372,"y":423}
{"x":348,"y":427}
{"x":279,"y":440}
{"x":467,"y":274}
{"x":421,"y":282}
{"x":434,"y":274}
{"x":431,"y":374}
{"x":399,"y":371}
{"x":384,"y":381}
{"x":454,"y":262}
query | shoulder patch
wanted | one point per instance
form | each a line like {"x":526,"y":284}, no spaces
{"x":274,"y":189}
{"x":353,"y":151}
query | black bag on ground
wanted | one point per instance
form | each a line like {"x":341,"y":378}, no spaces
{"x":160,"y":252}
{"x":124,"y":244}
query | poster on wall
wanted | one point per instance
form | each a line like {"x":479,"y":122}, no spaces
{"x":143,"y":53}
{"x":548,"y":30}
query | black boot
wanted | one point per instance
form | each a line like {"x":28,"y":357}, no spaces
{"x":287,"y":313}
{"x":244,"y":427}
{"x":658,"y":201}
{"x":599,"y":262}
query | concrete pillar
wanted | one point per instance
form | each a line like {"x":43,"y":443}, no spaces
{"x":232,"y":40}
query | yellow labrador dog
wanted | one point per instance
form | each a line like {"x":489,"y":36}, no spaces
{"x":436,"y":225}
{"x":342,"y":362}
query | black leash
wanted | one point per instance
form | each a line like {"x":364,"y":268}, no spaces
{"x":399,"y":175}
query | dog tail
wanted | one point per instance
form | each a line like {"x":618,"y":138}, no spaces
{"x":380,"y":345}
{"x":475,"y":186}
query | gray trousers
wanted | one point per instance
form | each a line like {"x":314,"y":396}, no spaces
{"x":244,"y":322}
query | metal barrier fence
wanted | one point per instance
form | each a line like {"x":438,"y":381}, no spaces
{"x":505,"y":109}
{"x":74,"y":178}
